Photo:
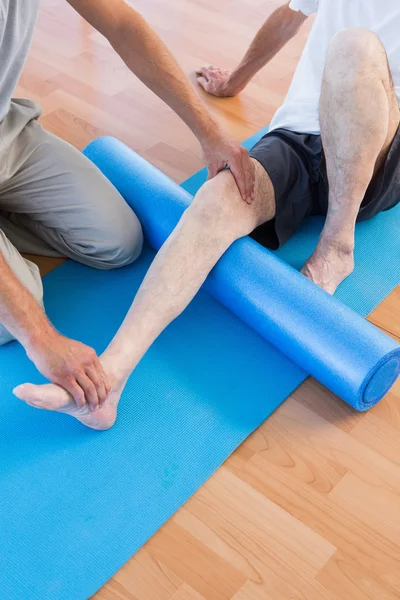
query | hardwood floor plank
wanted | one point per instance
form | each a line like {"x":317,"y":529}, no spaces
{"x":205,"y":572}
{"x":356,"y":581}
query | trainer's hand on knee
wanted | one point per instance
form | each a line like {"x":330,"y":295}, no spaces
{"x":216,"y":81}
{"x":221,"y":152}
{"x":73,"y":366}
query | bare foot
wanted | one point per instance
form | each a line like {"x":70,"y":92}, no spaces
{"x":329,"y":265}
{"x":54,"y":397}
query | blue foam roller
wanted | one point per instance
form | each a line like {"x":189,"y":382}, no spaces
{"x":325,"y":338}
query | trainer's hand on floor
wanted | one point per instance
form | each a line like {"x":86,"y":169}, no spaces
{"x":73,"y":366}
{"x":216,"y":81}
{"x":222,"y":151}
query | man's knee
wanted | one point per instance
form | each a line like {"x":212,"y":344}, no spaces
{"x":218,"y":205}
{"x":356,"y":46}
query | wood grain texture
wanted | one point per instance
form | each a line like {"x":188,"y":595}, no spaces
{"x":309,"y":506}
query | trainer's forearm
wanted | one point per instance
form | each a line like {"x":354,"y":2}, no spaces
{"x":280,"y":27}
{"x":20,"y":313}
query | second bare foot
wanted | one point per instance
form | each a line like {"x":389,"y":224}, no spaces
{"x":329,"y":265}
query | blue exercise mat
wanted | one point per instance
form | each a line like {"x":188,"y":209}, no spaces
{"x":75,"y":504}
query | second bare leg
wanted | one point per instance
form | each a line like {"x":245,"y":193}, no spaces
{"x":359,"y":116}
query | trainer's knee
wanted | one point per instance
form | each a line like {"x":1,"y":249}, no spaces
{"x":355,"y":45}
{"x":5,"y":336}
{"x":122,"y":244}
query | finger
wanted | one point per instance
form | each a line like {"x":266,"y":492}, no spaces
{"x":245,"y":169}
{"x":239,"y":177}
{"x":105,"y":386}
{"x":212,"y":171}
{"x":97,"y":379}
{"x":253,"y":182}
{"x":100,"y":368}
{"x":202,"y":71}
{"x":203,"y":82}
{"x":89,"y":389}
{"x":249,"y":171}
{"x":103,"y":394}
{"x":76,"y":392}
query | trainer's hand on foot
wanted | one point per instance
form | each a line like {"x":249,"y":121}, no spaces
{"x":221,"y":151}
{"x":216,"y":81}
{"x":73,"y":366}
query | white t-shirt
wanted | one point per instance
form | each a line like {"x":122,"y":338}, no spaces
{"x":299,"y":112}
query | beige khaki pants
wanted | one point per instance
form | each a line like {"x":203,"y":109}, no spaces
{"x":55,"y":202}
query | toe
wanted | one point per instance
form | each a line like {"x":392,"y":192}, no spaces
{"x":27,"y":393}
{"x":48,"y":397}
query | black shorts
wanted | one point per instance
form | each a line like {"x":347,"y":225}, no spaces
{"x":295,"y":162}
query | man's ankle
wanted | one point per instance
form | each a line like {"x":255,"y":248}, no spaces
{"x":343,"y":246}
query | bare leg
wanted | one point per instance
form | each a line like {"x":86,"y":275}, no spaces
{"x":359,"y":116}
{"x":216,"y":218}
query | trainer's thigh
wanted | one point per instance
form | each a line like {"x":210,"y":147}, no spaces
{"x":52,"y":194}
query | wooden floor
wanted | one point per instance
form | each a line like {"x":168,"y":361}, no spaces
{"x":309,"y":506}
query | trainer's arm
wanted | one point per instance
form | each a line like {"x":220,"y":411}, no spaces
{"x":66,"y":362}
{"x":20,"y":313}
{"x":280,"y":27}
{"x":149,"y":59}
